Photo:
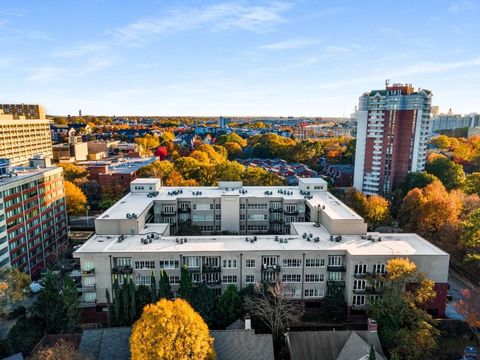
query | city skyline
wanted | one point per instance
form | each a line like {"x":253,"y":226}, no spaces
{"x":234,"y":58}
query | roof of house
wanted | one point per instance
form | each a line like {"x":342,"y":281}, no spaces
{"x":106,"y":344}
{"x":242,"y":345}
{"x":333,"y":345}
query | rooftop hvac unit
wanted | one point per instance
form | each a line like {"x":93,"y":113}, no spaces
{"x":304,"y":235}
{"x":317,"y":239}
{"x":308,"y":239}
{"x":150,"y":240}
{"x":177,"y":241}
{"x":281,"y":241}
{"x":246,"y":239}
{"x":276,"y":237}
{"x":379,"y":238}
{"x":185,"y":240}
{"x":285,"y":241}
{"x":331,"y":238}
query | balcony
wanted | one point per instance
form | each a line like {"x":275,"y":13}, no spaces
{"x":187,"y":210}
{"x":373,"y":290}
{"x":193,"y":269}
{"x":336,"y":268}
{"x":88,"y":272}
{"x":276,"y":210}
{"x":170,"y":213}
{"x":361,"y":275}
{"x":87,"y":288}
{"x":336,"y":283}
{"x":276,"y":221}
{"x":89,"y":303}
{"x":209,"y":268}
{"x":266,"y":267}
{"x":213,"y":282}
{"x":359,"y":291}
{"x":291,"y":212}
{"x":122,"y":269}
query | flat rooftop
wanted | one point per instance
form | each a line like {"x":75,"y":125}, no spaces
{"x":23,"y":173}
{"x":138,"y":202}
{"x":400,"y":244}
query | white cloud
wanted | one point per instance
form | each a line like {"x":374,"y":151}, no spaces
{"x":224,"y":16}
{"x":46,"y":73}
{"x":290,"y":44}
{"x":460,"y":6}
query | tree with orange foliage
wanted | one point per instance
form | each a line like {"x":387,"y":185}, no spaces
{"x":469,"y":307}
{"x":171,"y":330}
{"x":427,"y":210}
{"x":75,"y":199}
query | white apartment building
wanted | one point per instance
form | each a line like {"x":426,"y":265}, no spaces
{"x":21,"y":138}
{"x":302,"y":236}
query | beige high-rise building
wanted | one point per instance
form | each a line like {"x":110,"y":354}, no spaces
{"x":28,"y":111}
{"x":21,"y":137}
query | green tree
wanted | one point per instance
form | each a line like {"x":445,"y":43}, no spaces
{"x":417,"y":180}
{"x":449,"y":173}
{"x":164,"y":289}
{"x":472,"y":183}
{"x":229,"y":306}
{"x":110,"y":314}
{"x":371,"y":355}
{"x":203,"y":301}
{"x":49,"y":306}
{"x":153,"y":288}
{"x":71,"y":304}
{"x":471,"y":235}
{"x":133,"y":303}
{"x":117,"y":303}
{"x":186,"y":287}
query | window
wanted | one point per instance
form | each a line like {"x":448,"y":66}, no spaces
{"x":144,"y":265}
{"x":203,"y":206}
{"x":88,"y":265}
{"x":270,"y":276}
{"x":292,"y":293}
{"x":229,"y":279}
{"x":242,"y":206}
{"x":191,"y":261}
{"x":124,"y":262}
{"x":359,"y":284}
{"x":230,"y":264}
{"x":257,"y":217}
{"x":379,"y":268}
{"x":218,"y":217}
{"x":314,"y":263}
{"x":257,"y":227}
{"x":334,"y":276}
{"x":218,"y":206}
{"x":174,"y":279}
{"x":250,"y":263}
{"x":314,"y":293}
{"x":360,"y":269}
{"x":291,"y":278}
{"x":195,"y":277}
{"x":257,"y":206}
{"x":249,"y":279}
{"x":211,"y":261}
{"x":290,"y":208}
{"x":202,"y":217}
{"x":334,"y":261}
{"x":211,"y":277}
{"x":289,"y":219}
{"x":184,"y":206}
{"x":358,"y":300}
{"x":375,"y":299}
{"x":169,"y":209}
{"x":292,"y":263}
{"x":143,"y":280}
{"x":242,"y":216}
{"x":169,"y":264}
{"x":314,"y":278}
{"x":269,"y":260}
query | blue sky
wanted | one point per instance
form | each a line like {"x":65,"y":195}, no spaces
{"x":202,"y":57}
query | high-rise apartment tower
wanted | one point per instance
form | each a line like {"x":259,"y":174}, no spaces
{"x":392,"y":137}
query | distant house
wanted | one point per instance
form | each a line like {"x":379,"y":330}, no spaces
{"x":114,"y":343}
{"x":333,"y":345}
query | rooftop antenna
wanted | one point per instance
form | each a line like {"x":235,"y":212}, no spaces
{"x":387,"y":82}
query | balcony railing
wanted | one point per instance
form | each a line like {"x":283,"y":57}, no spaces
{"x":171,"y":213}
{"x":213,"y":282}
{"x":361,"y":275}
{"x":276,"y":221}
{"x":89,"y":303}
{"x":336,"y":268}
{"x":88,"y":272}
{"x":187,"y":210}
{"x":276,"y":210}
{"x":373,"y":290}
{"x":193,"y":269}
{"x":291,"y":212}
{"x":359,"y":291}
{"x":266,"y":267}
{"x":336,"y":283}
{"x":88,"y":288}
{"x":124,"y":269}
{"x":209,"y":268}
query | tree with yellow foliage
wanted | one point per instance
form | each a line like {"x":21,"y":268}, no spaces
{"x":171,"y":330}
{"x":75,"y":199}
{"x":12,"y":284}
{"x":61,"y":350}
